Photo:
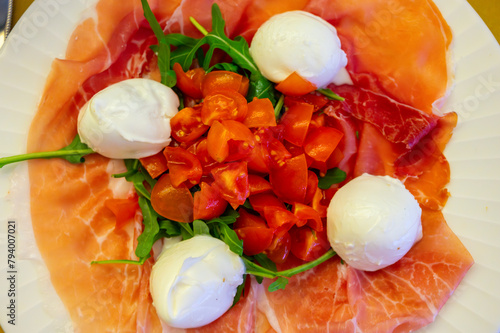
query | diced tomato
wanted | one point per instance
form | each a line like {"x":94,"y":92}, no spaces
{"x":260,"y":113}
{"x":231,"y":179}
{"x":318,"y":202}
{"x":318,"y":101}
{"x":321,"y":142}
{"x":247,"y":219}
{"x":208,"y":203}
{"x":296,"y":122}
{"x":308,"y":215}
{"x":189,"y":82}
{"x":217,"y":80}
{"x":317,"y":120}
{"x":223,"y":104}
{"x":254,"y":232}
{"x":308,"y":244}
{"x":258,"y":184}
{"x":186,"y":125}
{"x":155,"y":164}
{"x":173,"y":203}
{"x":312,"y":186}
{"x":258,"y":159}
{"x":200,"y":149}
{"x":183,"y":166}
{"x":335,"y":158}
{"x":238,"y":150}
{"x":295,"y":85}
{"x":280,"y":246}
{"x":289,"y":180}
{"x":221,"y":132}
{"x":277,"y":152}
{"x":123,"y":209}
{"x":277,"y":217}
{"x":262,"y":200}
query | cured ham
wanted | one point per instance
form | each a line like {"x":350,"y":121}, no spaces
{"x":73,"y":226}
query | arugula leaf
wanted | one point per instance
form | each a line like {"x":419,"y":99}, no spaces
{"x":121,"y":261}
{"x":333,"y":176}
{"x":146,"y":240}
{"x":256,"y":270}
{"x":200,"y":228}
{"x":237,"y":49}
{"x":330,"y":94}
{"x":171,"y":228}
{"x":280,"y":283}
{"x":73,"y":153}
{"x":168,"y":76}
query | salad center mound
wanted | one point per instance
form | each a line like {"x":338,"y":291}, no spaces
{"x":257,"y":173}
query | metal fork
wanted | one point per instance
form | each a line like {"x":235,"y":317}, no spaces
{"x":6,"y":7}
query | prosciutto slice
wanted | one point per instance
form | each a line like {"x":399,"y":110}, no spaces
{"x":387,"y":56}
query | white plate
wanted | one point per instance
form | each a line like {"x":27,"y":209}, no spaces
{"x":473,"y":211}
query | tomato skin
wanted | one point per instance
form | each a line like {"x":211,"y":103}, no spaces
{"x":189,"y":82}
{"x":258,"y":184}
{"x":312,"y":185}
{"x":308,"y":245}
{"x":200,"y":149}
{"x":223,"y":104}
{"x":307,"y":215}
{"x":280,"y":178}
{"x":295,"y":85}
{"x":254,"y":232}
{"x":123,"y":209}
{"x":321,"y":142}
{"x":186,"y":125}
{"x":318,"y":101}
{"x":296,"y":122}
{"x":155,"y":165}
{"x":277,"y":217}
{"x":208,"y":203}
{"x":219,"y":135}
{"x":279,"y":248}
{"x":173,"y":203}
{"x":318,"y":202}
{"x":183,"y":166}
{"x":231,"y":179}
{"x":262,"y":200}
{"x":260,"y":113}
{"x":217,"y":80}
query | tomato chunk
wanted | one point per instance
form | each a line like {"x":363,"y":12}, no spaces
{"x":260,"y":113}
{"x":155,"y":165}
{"x":254,"y":232}
{"x":208,"y":203}
{"x":219,"y":135}
{"x":295,"y":85}
{"x":296,"y":122}
{"x":189,"y":82}
{"x":173,"y":203}
{"x":186,"y":125}
{"x":289,"y":180}
{"x":263,"y":200}
{"x":308,"y":244}
{"x":307,"y":215}
{"x":258,"y":184}
{"x":277,"y":217}
{"x":279,"y":248}
{"x":231,"y":179}
{"x":223,"y":104}
{"x":183,"y":166}
{"x":217,"y":80}
{"x":321,"y":142}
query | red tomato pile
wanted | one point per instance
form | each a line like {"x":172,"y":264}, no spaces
{"x":236,"y":151}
